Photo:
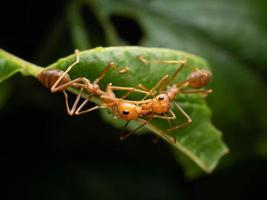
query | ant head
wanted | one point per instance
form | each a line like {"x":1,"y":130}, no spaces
{"x":199,"y":78}
{"x":160,"y":103}
{"x":127,"y":111}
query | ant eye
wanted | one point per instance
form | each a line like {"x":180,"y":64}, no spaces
{"x":125,"y":112}
{"x":161,"y":98}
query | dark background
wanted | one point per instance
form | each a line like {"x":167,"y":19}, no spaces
{"x":45,"y":154}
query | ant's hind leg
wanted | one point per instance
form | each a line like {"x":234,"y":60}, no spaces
{"x":200,"y":91}
{"x":73,"y":108}
{"x":77,"y":54}
{"x":188,"y":118}
{"x":170,"y":139}
{"x":79,"y":112}
{"x":123,"y":135}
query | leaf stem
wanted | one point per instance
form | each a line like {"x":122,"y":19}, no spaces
{"x":25,"y":67}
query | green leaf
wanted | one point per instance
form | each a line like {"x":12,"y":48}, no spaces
{"x":201,"y":141}
{"x":78,"y":31}
{"x":232,"y":36}
{"x":10,"y":65}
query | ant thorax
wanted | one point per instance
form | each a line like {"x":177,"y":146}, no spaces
{"x":171,"y":92}
{"x":94,"y":89}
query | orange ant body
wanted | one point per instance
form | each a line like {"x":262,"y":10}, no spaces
{"x":59,"y":81}
{"x":161,"y":103}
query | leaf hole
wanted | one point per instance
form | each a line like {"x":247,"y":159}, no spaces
{"x":128,"y":28}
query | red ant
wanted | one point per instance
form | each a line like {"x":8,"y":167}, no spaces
{"x":161,"y":103}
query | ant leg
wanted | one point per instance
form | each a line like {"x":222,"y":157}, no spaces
{"x":74,"y":82}
{"x":159,"y":84}
{"x":123,"y":136}
{"x":169,"y":121}
{"x":129,"y":89}
{"x":77,"y":54}
{"x":165,"y":116}
{"x":123,"y":70}
{"x":73,"y":108}
{"x":79,"y":112}
{"x":104,"y":72}
{"x":169,"y":138}
{"x":188,"y":118}
{"x":66,"y":102}
{"x":142,"y":87}
{"x":201,"y":91}
{"x":76,"y":102}
{"x":143,"y":60}
{"x":182,"y":63}
{"x":173,"y":116}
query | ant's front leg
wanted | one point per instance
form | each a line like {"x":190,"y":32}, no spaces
{"x":203,"y":92}
{"x":129,"y":89}
{"x":159,"y":84}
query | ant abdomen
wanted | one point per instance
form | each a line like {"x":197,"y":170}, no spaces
{"x":199,"y":78}
{"x":50,"y":76}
